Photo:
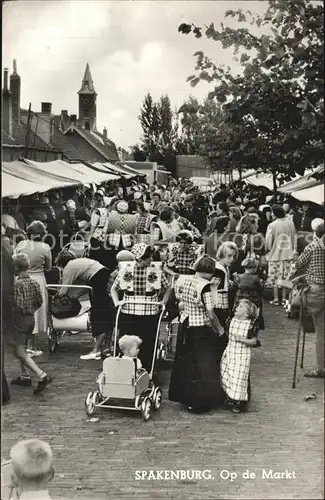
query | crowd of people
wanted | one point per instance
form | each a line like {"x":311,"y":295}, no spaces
{"x":205,"y":256}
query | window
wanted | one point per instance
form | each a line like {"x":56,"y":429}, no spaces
{"x":86,"y":113}
{"x":87,"y":125}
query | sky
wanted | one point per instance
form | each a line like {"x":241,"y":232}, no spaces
{"x":132,"y":47}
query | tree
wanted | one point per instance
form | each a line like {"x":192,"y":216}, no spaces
{"x":190,"y":130}
{"x":150,"y":125}
{"x":274,"y":110}
{"x":160,"y":132}
{"x":137,"y":153}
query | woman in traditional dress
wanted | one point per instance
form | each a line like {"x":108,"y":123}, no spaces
{"x":40,"y":256}
{"x":222,"y":284}
{"x":143,"y":224}
{"x":120,"y":227}
{"x":98,"y":250}
{"x":141,"y":282}
{"x":195,"y":379}
{"x":182,"y":255}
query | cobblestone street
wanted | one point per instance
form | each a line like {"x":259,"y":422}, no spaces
{"x":97,"y":460}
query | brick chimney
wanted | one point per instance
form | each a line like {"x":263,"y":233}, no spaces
{"x":15,"y":91}
{"x":46,"y":108}
{"x":73,"y":120}
{"x":105,"y":132}
{"x":6,"y":104}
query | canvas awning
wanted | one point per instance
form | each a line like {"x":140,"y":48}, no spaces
{"x":13,"y":187}
{"x":116,"y":169}
{"x":315,"y":194}
{"x":132,"y":170}
{"x":262,"y":180}
{"x":73,"y":171}
{"x":307,"y":181}
{"x":25,"y":177}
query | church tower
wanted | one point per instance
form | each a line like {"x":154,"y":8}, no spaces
{"x":87,"y":102}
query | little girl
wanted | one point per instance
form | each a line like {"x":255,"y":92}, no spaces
{"x":236,"y":359}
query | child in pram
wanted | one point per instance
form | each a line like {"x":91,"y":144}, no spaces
{"x":129,"y":347}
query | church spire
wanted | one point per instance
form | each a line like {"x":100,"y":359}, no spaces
{"x":87,"y":86}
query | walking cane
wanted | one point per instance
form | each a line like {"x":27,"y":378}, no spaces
{"x":300,"y":326}
{"x":297,"y":350}
{"x":303,"y":340}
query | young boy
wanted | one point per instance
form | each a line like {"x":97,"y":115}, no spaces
{"x":32,"y":467}
{"x":27,"y":299}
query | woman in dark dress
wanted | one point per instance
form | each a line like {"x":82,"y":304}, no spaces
{"x":195,"y":378}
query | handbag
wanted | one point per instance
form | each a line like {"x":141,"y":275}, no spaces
{"x":65,"y":307}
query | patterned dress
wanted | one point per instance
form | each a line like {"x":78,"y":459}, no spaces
{"x":195,"y":378}
{"x":119,"y":229}
{"x":236,"y":361}
{"x":142,"y":228}
{"x":141,"y":286}
{"x":181,"y":259}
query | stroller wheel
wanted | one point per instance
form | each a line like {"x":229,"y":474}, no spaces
{"x":157,"y":397}
{"x":146,"y":409}
{"x":90,"y":403}
{"x":53,"y":339}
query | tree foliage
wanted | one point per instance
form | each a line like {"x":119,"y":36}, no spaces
{"x":274,"y":111}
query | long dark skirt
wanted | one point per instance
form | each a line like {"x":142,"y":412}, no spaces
{"x":222,"y":315}
{"x":195,"y":378}
{"x":144,"y":327}
{"x":99,"y":316}
{"x":103,"y":254}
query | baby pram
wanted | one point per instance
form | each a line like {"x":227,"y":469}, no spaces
{"x":78,"y":245}
{"x":8,"y":490}
{"x":121,"y":386}
{"x":57,"y":328}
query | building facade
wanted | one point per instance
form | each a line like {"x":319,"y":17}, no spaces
{"x":44,"y":136}
{"x":191,"y":166}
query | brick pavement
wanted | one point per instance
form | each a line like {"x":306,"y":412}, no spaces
{"x":99,"y":460}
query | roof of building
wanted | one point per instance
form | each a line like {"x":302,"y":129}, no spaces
{"x":62,"y":142}
{"x":18,"y":137}
{"x":105,"y":147}
{"x":79,"y":144}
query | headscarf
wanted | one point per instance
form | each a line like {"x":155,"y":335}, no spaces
{"x":122,"y":207}
{"x":139,"y":250}
{"x":125,"y":256}
{"x":71,"y":205}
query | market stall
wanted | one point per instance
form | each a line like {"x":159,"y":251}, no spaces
{"x":314,"y":194}
{"x":26,"y":177}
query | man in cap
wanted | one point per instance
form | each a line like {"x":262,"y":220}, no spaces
{"x":312,"y":263}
